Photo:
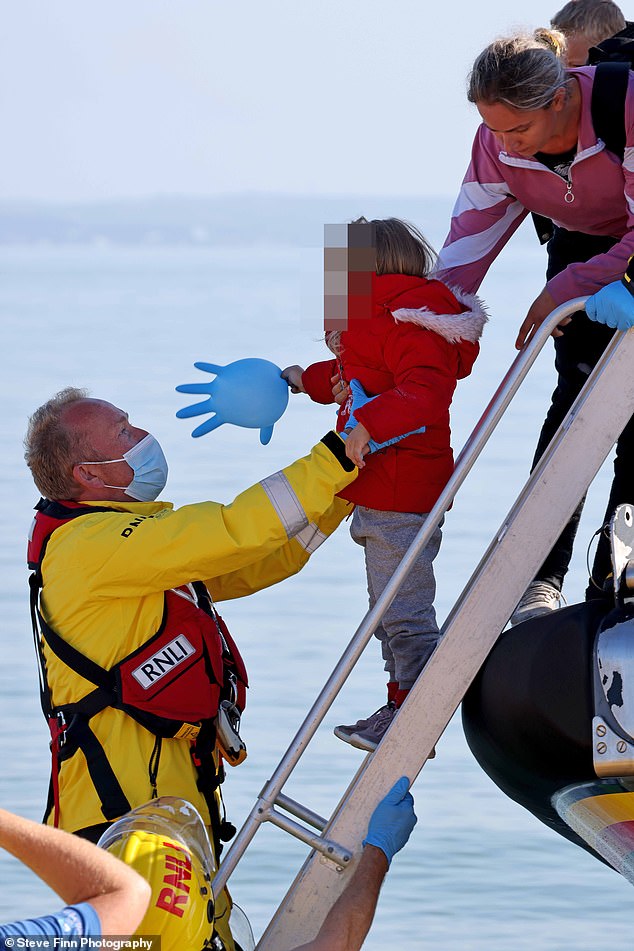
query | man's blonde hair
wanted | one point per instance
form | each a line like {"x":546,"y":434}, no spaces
{"x":51,"y":449}
{"x":596,"y":20}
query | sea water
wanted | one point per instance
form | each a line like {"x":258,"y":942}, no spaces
{"x":479,"y":873}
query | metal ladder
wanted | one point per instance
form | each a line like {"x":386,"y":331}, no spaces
{"x":543,"y":507}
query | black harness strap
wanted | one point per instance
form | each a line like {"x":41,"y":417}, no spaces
{"x":608,"y":105}
{"x":114,"y":803}
{"x":45,"y":695}
{"x":103,"y":679}
{"x":76,"y":733}
{"x":76,"y":736}
{"x":208,"y":780}
{"x":77,"y":661}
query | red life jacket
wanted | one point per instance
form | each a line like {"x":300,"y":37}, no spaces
{"x":172,"y":685}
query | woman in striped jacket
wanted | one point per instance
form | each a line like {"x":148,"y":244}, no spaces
{"x":537,"y":151}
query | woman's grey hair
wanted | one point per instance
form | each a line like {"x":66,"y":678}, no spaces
{"x":523,"y":71}
{"x":51,"y":449}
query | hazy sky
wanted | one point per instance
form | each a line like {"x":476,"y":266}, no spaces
{"x":143,"y":97}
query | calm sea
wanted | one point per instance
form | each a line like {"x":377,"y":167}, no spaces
{"x":479,"y":874}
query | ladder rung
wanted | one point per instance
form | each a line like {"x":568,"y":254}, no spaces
{"x":302,"y":812}
{"x":331,"y":850}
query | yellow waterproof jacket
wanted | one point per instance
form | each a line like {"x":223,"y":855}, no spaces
{"x":104,"y":577}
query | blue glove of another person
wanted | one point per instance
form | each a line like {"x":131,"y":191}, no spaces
{"x":613,"y":306}
{"x":392,"y":821}
{"x":359,"y":399}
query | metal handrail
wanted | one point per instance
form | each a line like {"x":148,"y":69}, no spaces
{"x":476,"y":442}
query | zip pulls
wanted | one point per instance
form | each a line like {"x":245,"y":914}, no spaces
{"x":535,"y":165}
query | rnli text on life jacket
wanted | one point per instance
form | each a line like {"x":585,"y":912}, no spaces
{"x":164,"y":661}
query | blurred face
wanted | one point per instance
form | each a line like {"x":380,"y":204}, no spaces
{"x":524,"y":131}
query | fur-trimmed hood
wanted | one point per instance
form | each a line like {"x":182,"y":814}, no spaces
{"x":467,"y":325}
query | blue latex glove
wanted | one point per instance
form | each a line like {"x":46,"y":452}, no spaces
{"x":249,"y":393}
{"x":613,"y":306}
{"x":392,"y":821}
{"x":359,"y":399}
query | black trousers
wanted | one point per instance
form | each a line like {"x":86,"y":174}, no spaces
{"x":576,"y":353}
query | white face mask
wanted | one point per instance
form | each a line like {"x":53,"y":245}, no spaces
{"x":149,"y":465}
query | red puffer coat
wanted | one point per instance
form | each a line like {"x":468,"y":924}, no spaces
{"x":420,"y":340}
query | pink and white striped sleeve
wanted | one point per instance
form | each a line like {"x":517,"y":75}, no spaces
{"x":484,"y":217}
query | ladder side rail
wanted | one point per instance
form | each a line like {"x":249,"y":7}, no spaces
{"x":466,"y":460}
{"x":562,"y":476}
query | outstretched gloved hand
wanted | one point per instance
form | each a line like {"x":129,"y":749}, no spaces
{"x":392,"y":821}
{"x":613,"y":306}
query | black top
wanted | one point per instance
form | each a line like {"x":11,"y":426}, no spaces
{"x":558,"y":163}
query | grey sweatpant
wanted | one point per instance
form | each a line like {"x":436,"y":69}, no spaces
{"x":408,"y":632}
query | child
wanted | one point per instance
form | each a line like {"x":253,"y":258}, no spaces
{"x":419,"y":339}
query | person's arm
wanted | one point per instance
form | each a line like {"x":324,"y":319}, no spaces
{"x":484,"y":217}
{"x":121,"y":555}
{"x":78,"y":872}
{"x":281,"y":564}
{"x":317,"y":381}
{"x":349,"y":919}
{"x":542,"y":306}
{"x":424,"y":367}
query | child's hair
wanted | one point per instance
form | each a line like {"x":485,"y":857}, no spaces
{"x":523,"y":71}
{"x":595,"y":19}
{"x":400,"y":247}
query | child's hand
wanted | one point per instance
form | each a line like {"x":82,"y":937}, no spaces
{"x":293,"y":376}
{"x":340,"y":389}
{"x":357,"y":445}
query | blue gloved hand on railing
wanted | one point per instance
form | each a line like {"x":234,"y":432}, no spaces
{"x":392,"y":821}
{"x":613,"y":306}
{"x":359,"y":399}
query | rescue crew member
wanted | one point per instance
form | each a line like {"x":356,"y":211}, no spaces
{"x":115,"y":572}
